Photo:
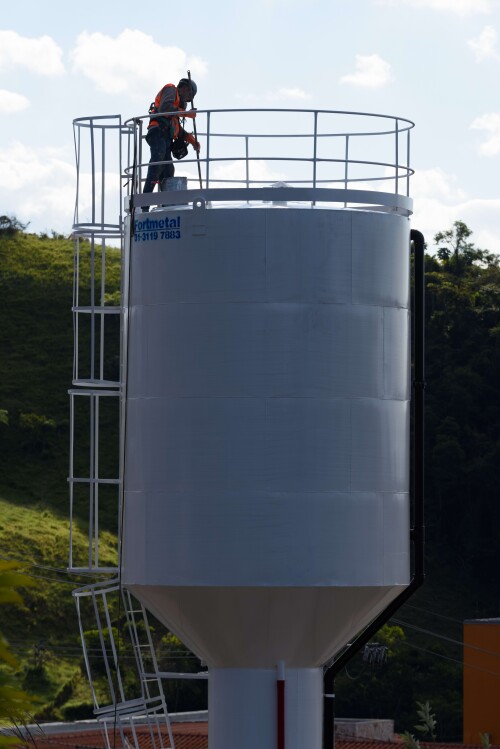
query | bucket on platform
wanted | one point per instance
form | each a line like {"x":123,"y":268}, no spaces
{"x":174,"y":183}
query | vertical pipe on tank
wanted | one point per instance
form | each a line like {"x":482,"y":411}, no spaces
{"x":280,"y":692}
{"x":418,"y":530}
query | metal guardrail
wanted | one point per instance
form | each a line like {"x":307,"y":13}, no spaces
{"x":311,"y":151}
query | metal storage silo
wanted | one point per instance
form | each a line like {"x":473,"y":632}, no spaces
{"x":266,"y":411}
{"x":262,"y":496}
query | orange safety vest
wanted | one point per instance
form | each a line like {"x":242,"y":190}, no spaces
{"x":172,"y":122}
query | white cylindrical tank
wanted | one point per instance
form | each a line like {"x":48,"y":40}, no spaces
{"x":266,"y":505}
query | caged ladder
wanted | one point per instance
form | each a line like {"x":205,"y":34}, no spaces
{"x":120,"y":660}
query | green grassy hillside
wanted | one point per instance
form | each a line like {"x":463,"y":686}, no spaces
{"x":36,"y":341}
{"x":44,"y":632}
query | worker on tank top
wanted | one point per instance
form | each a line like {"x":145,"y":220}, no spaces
{"x":163,"y":130}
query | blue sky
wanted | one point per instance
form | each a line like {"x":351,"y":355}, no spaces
{"x":436,"y":62}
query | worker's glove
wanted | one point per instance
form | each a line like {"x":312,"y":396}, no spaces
{"x":192,"y":141}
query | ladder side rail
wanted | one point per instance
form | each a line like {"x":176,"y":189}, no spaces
{"x":102,"y":298}
{"x":134,"y":637}
{"x":71,"y":475}
{"x":113,"y":647}
{"x":91,"y":482}
{"x":154,"y":659}
{"x":96,"y":480}
{"x":85,"y":653}
{"x":160,"y":710}
{"x":92,"y":308}
{"x":76,"y":297}
{"x":103,"y":647}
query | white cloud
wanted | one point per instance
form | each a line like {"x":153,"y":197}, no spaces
{"x":439,"y":201}
{"x":491,"y":124}
{"x":38,"y":55}
{"x":371,"y":71}
{"x":131,"y":63}
{"x":293,"y":93}
{"x":296,"y":94}
{"x":287,"y":3}
{"x":460,"y":7}
{"x":436,"y":184}
{"x":22,"y":166}
{"x":484,"y":45}
{"x":37,"y":185}
{"x":11,"y":102}
{"x":480,"y":215}
{"x":234,"y":171}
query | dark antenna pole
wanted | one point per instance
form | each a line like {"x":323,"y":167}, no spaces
{"x":194,"y":129}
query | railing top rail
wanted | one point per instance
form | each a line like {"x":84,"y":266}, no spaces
{"x":408,"y":124}
{"x":293,"y":110}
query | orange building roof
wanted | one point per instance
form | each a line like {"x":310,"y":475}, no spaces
{"x":195,"y":736}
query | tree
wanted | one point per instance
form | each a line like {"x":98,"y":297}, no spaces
{"x":14,"y":703}
{"x":10,"y":225}
{"x":455,"y":249}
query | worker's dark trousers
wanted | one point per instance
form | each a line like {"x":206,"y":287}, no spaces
{"x":160,"y":144}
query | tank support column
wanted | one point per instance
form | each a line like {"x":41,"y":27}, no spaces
{"x":242,"y":708}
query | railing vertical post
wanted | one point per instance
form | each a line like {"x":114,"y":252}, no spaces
{"x":396,"y":190}
{"x":103,"y":175}
{"x":346,"y":166}
{"x":315,"y":151}
{"x":77,"y":140}
{"x":247,"y":169}
{"x":120,"y":157}
{"x":139,"y":156}
{"x":408,"y":163}
{"x":207,"y":178}
{"x":92,"y":156}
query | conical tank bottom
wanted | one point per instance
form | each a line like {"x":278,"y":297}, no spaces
{"x":255,"y":627}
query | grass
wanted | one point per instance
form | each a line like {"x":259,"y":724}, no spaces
{"x":36,"y":340}
{"x":44,"y":632}
{"x":36,"y":366}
